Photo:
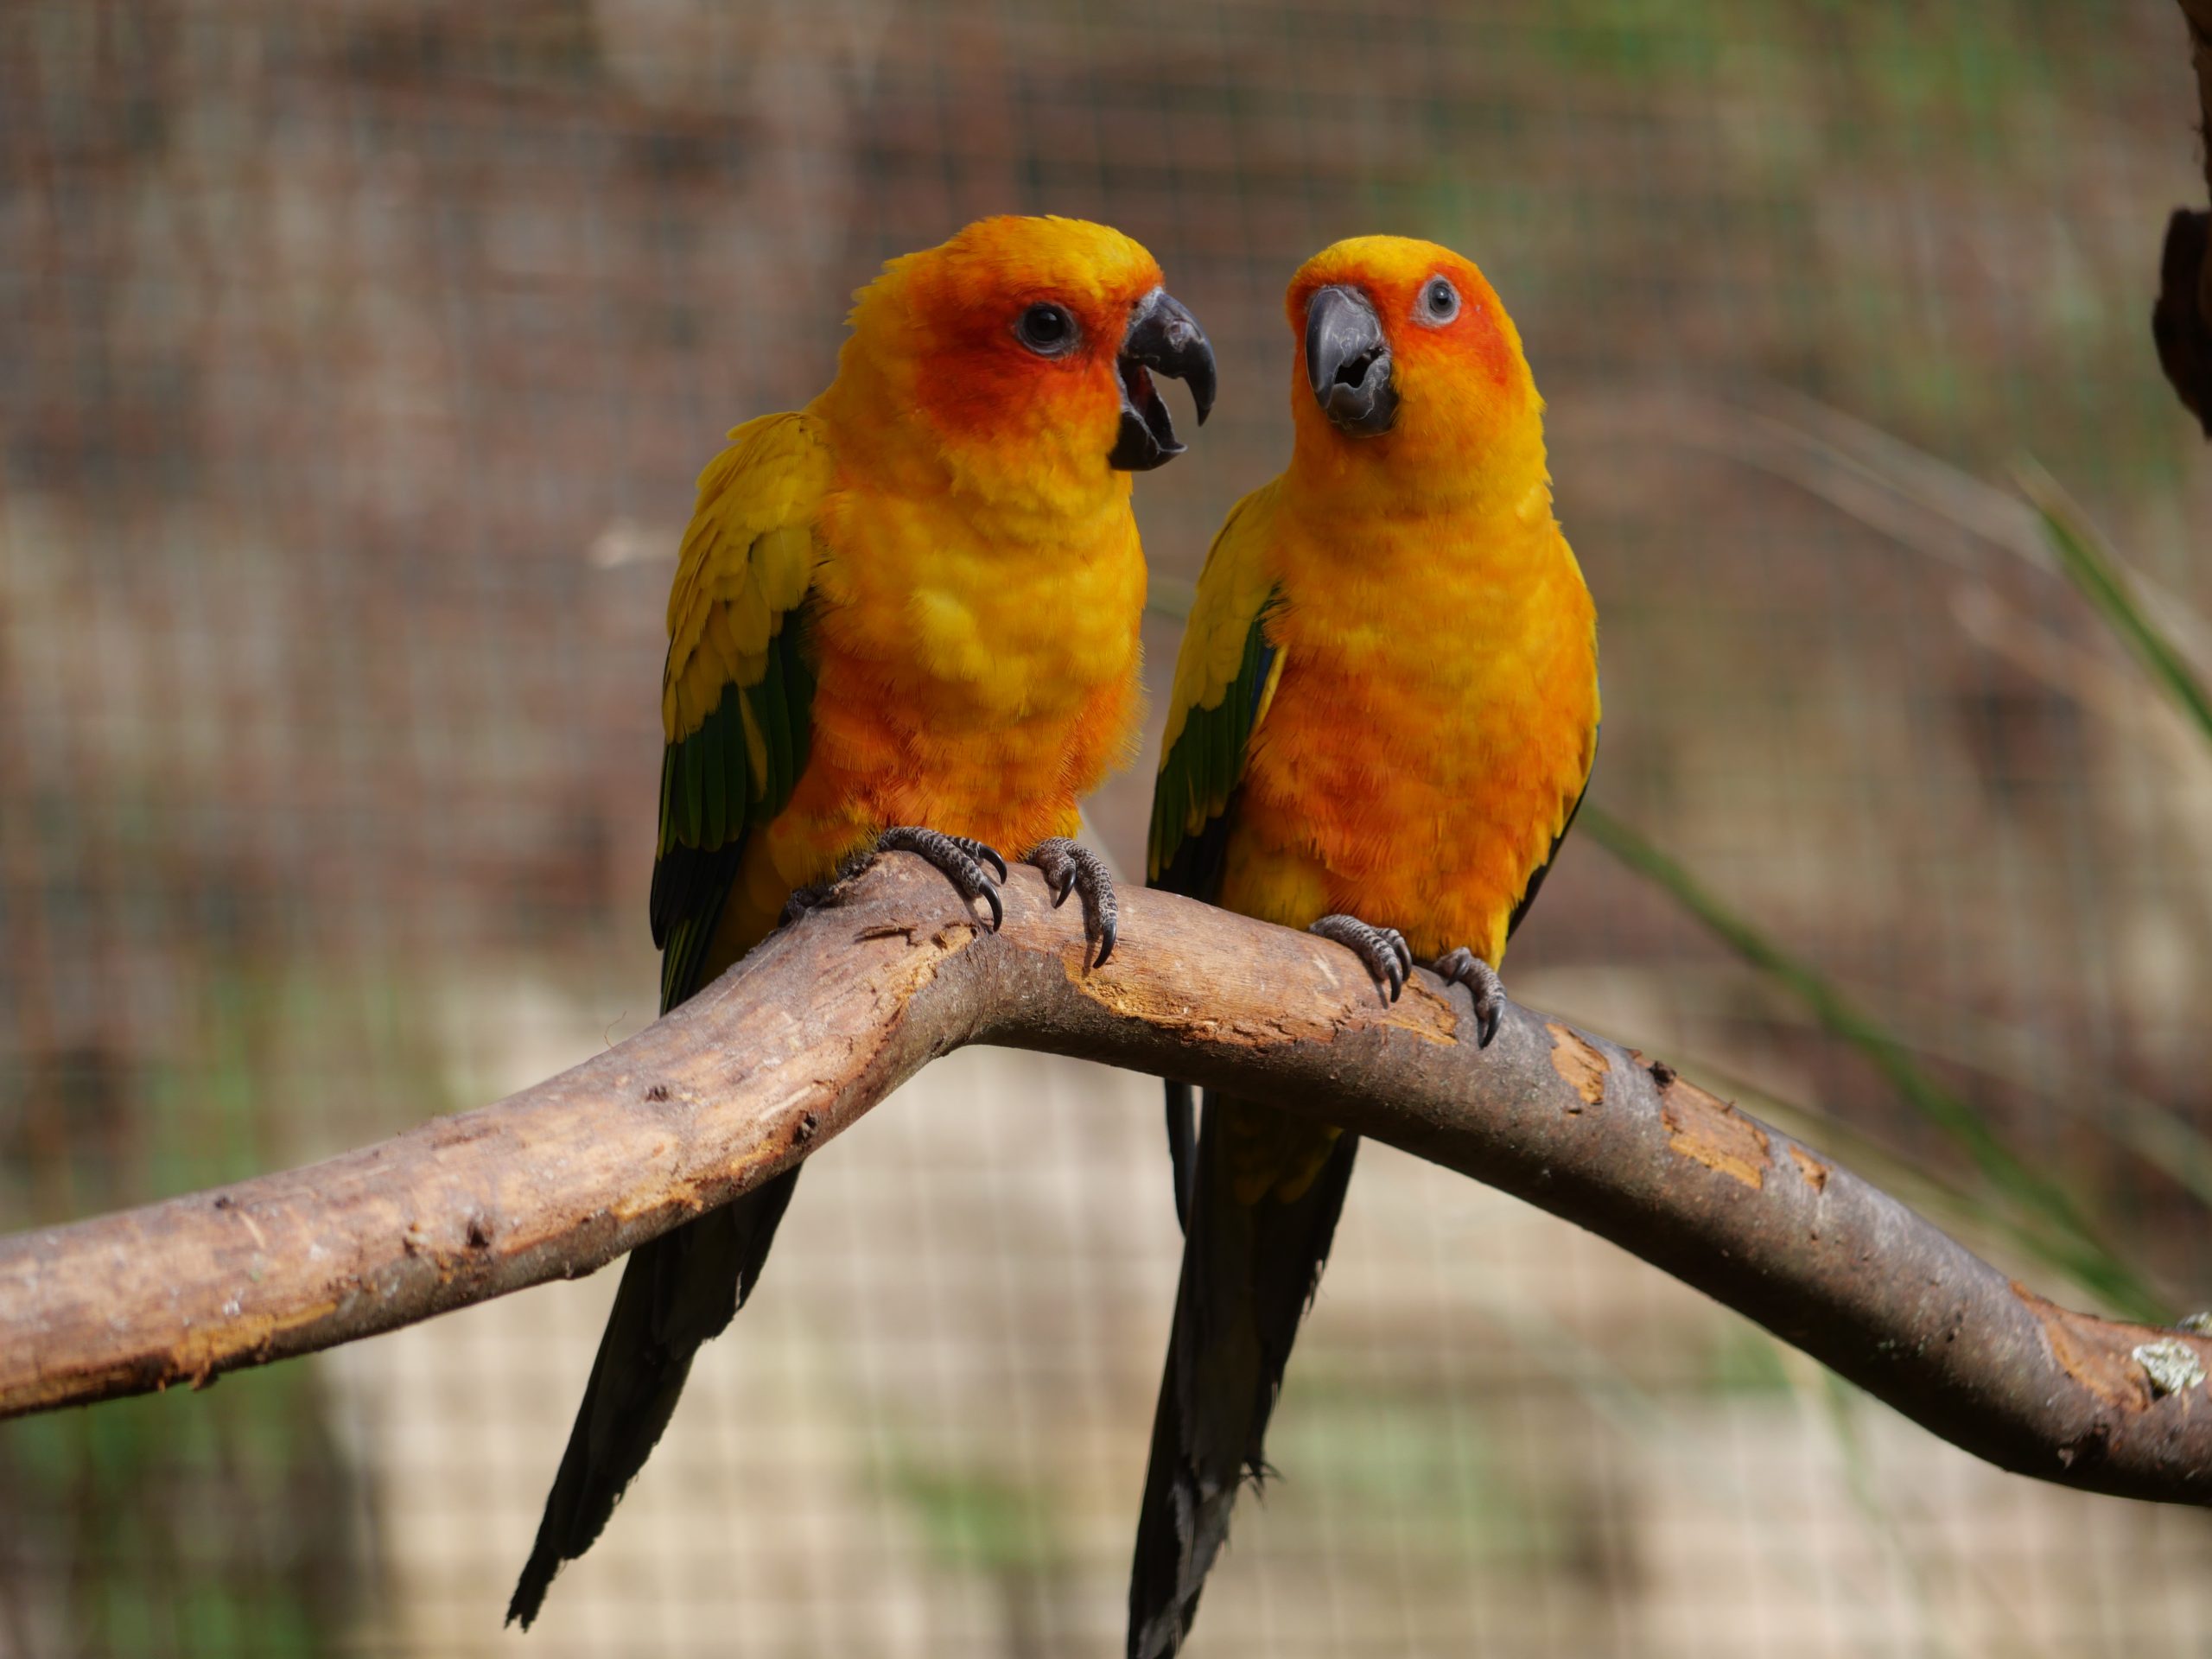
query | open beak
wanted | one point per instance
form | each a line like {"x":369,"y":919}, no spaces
{"x":1348,"y":360}
{"x":1162,"y":338}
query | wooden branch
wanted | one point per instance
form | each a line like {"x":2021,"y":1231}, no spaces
{"x":829,"y":1015}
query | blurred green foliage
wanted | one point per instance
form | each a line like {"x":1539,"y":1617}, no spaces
{"x":185,"y":1525}
{"x":2044,"y":1215}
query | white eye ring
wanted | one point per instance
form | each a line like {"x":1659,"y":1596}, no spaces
{"x":1439,"y":302}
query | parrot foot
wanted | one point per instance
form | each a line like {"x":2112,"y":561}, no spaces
{"x":1069,"y":867}
{"x":960,"y":859}
{"x":803,"y":899}
{"x":1464,"y":967}
{"x":1382,"y":949}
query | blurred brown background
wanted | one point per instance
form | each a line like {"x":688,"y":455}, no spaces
{"x":356,"y":359}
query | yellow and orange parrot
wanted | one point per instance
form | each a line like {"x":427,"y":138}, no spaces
{"x":905,"y":617}
{"x":1384,"y":714}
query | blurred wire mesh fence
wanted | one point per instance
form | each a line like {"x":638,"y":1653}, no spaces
{"x":358,"y":360}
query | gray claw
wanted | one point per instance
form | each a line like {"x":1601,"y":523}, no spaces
{"x":1383,"y":949}
{"x":803,"y":899}
{"x":1463,"y":967}
{"x":982,"y":852}
{"x":1069,"y":867}
{"x":960,"y":859}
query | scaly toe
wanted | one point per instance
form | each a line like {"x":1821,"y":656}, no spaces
{"x":982,"y":852}
{"x":803,"y":899}
{"x":1069,"y":867}
{"x":1051,"y":856}
{"x":1463,"y":967}
{"x":1383,"y":949}
{"x":960,"y":859}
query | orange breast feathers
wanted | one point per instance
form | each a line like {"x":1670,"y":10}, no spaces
{"x":965,"y":680}
{"x":1426,"y":740}
{"x":975,"y":686}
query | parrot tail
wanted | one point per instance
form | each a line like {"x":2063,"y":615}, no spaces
{"x":1182,"y":1147}
{"x":678,"y":1291}
{"x":1250,"y":1266}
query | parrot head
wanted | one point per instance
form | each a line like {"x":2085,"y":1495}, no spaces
{"x":1408,"y":363}
{"x":1025,"y":349}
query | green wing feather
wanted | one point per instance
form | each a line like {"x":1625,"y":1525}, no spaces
{"x":1199,"y":775}
{"x":1224,"y":675}
{"x":712,"y":798}
{"x":737,"y":690}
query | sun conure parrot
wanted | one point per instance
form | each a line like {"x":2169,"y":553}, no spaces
{"x":905,"y":617}
{"x":1383,"y":715}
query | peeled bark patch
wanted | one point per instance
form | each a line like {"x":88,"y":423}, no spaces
{"x":1579,"y":1063}
{"x":1709,"y":1129}
{"x":2094,"y":1353}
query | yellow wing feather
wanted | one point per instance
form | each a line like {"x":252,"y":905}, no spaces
{"x":1233,"y":587}
{"x":747,"y":558}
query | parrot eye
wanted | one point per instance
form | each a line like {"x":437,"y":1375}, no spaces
{"x":1046,"y":329}
{"x":1439,"y":302}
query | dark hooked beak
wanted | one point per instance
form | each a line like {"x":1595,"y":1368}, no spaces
{"x":1348,"y":360}
{"x":1163,"y":338}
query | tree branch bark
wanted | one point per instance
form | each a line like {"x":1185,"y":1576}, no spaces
{"x":832,"y":1014}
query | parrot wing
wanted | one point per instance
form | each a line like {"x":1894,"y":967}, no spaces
{"x":737,"y":693}
{"x":735,"y":700}
{"x":1225,"y":675}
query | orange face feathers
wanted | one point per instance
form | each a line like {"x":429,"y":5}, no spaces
{"x":1017,"y":350}
{"x":1409,"y":365}
{"x":982,"y":368}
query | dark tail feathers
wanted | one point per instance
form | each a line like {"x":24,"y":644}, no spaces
{"x":677,"y":1291}
{"x":1182,"y":1148}
{"x":1249,"y":1271}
